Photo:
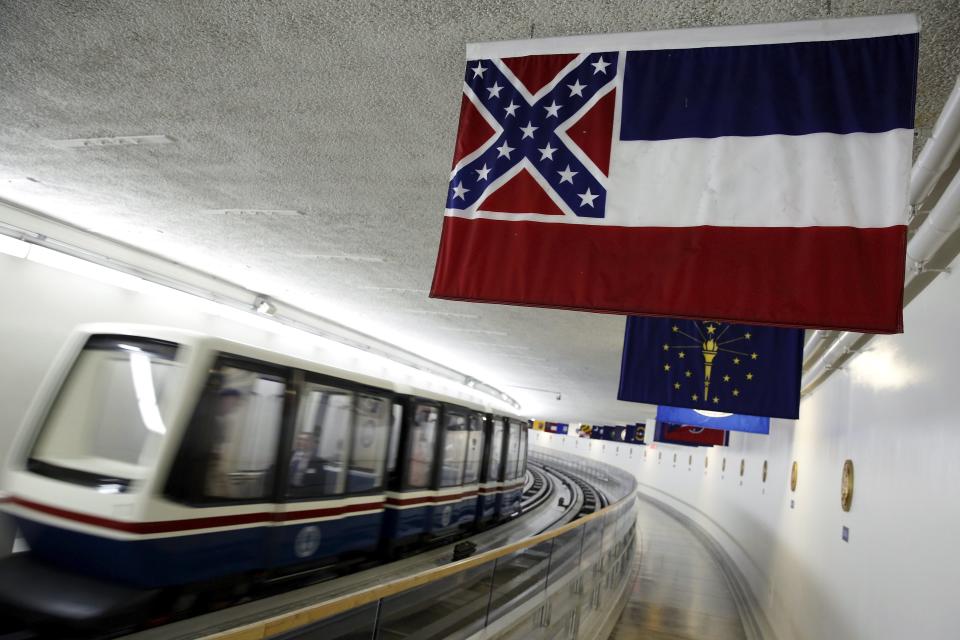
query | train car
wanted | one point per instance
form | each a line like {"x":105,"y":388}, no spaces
{"x":167,"y":462}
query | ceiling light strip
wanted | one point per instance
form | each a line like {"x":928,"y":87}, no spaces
{"x":38,"y":229}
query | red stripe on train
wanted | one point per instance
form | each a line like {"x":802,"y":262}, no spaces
{"x":190,"y":524}
{"x":430,"y":499}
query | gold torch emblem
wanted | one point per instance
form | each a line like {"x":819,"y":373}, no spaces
{"x":709,"y":344}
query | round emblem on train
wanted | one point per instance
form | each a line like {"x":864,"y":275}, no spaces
{"x":307,"y":541}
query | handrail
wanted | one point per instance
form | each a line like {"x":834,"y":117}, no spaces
{"x":314,"y":613}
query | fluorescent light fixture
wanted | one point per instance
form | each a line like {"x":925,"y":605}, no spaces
{"x":442,"y":314}
{"x":84,"y":268}
{"x":342,"y":257}
{"x":512,"y":347}
{"x":113,"y":141}
{"x":300,"y":336}
{"x":14,"y":247}
{"x":483,"y":331}
{"x":395,"y":289}
{"x":256,"y":212}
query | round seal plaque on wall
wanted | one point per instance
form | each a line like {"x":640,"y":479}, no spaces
{"x":846,"y":485}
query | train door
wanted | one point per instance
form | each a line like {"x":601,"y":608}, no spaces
{"x":221,"y":484}
{"x":472,"y":469}
{"x":331,"y":485}
{"x":490,"y":484}
{"x":452,"y":454}
{"x":409,"y":501}
{"x":512,"y":488}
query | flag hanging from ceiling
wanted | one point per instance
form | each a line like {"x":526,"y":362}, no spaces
{"x":688,"y":435}
{"x":713,"y":419}
{"x":715,"y":366}
{"x":750,"y":174}
{"x":640,"y":433}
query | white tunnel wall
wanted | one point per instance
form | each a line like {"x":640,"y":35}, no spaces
{"x":894,"y":412}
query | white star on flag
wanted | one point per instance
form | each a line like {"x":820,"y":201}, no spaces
{"x":478,"y":70}
{"x":600,"y":66}
{"x":495,"y":90}
{"x":504,"y":150}
{"x":566,"y":175}
{"x":482,"y":173}
{"x":576,"y":89}
{"x":553,"y":110}
{"x":511,"y":108}
{"x":546,"y":153}
{"x":587,"y":198}
{"x":528,"y":130}
{"x":459,"y":191}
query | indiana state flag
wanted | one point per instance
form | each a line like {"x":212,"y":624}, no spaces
{"x":712,"y":366}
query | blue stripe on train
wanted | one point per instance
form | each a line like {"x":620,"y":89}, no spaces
{"x":839,"y":86}
{"x":401,"y":525}
{"x":159,"y":562}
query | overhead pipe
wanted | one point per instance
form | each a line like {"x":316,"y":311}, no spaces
{"x":828,"y":359}
{"x":943,"y":221}
{"x":939,"y":149}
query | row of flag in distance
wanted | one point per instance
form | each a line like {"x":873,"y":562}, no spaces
{"x":669,"y":433}
{"x":753,"y":177}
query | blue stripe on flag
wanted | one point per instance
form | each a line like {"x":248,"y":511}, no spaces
{"x":838,"y":86}
{"x":729,"y":422}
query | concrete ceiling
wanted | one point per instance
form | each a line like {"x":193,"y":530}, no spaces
{"x":345,"y":111}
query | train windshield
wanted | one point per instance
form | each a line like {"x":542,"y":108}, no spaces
{"x":105,"y":425}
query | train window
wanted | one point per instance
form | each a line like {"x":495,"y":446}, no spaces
{"x":423,"y":434}
{"x":229,"y":452}
{"x":369,"y":444}
{"x":105,"y":426}
{"x":395,"y":425}
{"x":522,"y":465}
{"x":471,"y":471}
{"x":454,"y":450}
{"x":496,"y":450}
{"x":318,"y":459}
{"x":513,"y":451}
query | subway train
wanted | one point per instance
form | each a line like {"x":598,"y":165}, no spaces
{"x":159,"y":464}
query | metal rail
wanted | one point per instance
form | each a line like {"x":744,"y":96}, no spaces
{"x":555,"y":563}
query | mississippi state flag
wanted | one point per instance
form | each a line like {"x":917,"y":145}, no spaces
{"x":753,"y":174}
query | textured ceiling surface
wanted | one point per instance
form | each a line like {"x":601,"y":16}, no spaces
{"x":345,"y":111}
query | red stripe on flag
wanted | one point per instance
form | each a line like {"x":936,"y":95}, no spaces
{"x":821,"y":277}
